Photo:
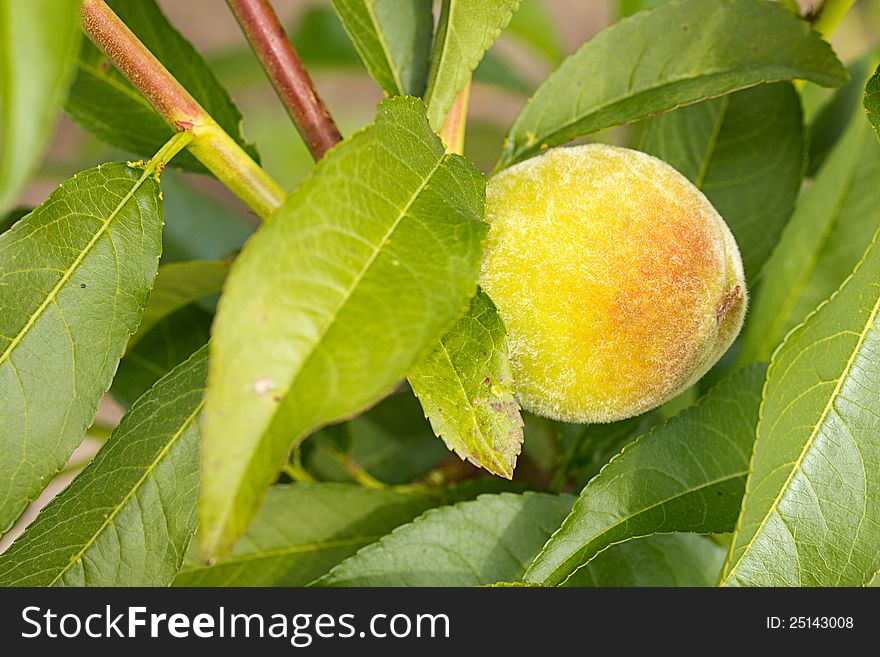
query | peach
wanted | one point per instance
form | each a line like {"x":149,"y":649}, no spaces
{"x":618,"y":282}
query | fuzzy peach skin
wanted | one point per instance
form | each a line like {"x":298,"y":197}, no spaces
{"x":618,"y":282}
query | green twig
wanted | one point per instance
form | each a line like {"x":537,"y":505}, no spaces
{"x":210,"y":144}
{"x":829,"y":15}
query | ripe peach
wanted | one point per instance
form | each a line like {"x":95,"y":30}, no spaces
{"x":618,"y":282}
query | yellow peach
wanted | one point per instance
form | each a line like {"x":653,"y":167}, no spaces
{"x":619,"y":284}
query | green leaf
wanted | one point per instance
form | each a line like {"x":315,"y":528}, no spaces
{"x":127,"y":519}
{"x":687,"y":475}
{"x":811,"y":513}
{"x":39,"y":40}
{"x":303,"y":531}
{"x":491,"y":539}
{"x":392,"y":441}
{"x":393,"y":39}
{"x":75,"y":275}
{"x":682,"y":52}
{"x":179,"y":284}
{"x":658,"y":560}
{"x":169,"y":343}
{"x":466,"y":387}
{"x":872,"y":100}
{"x":466,"y":30}
{"x":105,"y":104}
{"x":745,"y":151}
{"x":333,"y":301}
{"x":832,"y":226}
{"x":534,"y":26}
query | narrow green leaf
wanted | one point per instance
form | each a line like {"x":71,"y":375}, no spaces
{"x":872,"y":100}
{"x":179,"y":284}
{"x":303,"y":531}
{"x":105,"y":103}
{"x":126,"y":520}
{"x":393,"y":39}
{"x":811,"y":513}
{"x":832,"y":226}
{"x":466,"y":387}
{"x":169,"y":343}
{"x":333,"y":301}
{"x":491,"y":539}
{"x":687,"y":475}
{"x":681,"y":52}
{"x":466,"y":30}
{"x":75,"y":275}
{"x":658,"y":560}
{"x":745,"y":151}
{"x":38,"y":42}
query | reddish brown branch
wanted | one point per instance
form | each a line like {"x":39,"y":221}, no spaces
{"x":285,"y":70}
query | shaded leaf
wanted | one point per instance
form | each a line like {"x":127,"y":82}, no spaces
{"x":658,"y":560}
{"x":75,"y":275}
{"x":393,"y":40}
{"x":832,"y":226}
{"x":745,"y":152}
{"x":126,"y":520}
{"x":156,"y":353}
{"x":12,"y":216}
{"x":687,"y":475}
{"x":811,"y":513}
{"x":333,"y":301}
{"x":105,"y":103}
{"x":466,"y":387}
{"x":392,"y":441}
{"x":301,"y":532}
{"x":179,"y":284}
{"x":466,"y":30}
{"x":491,"y":539}
{"x":198,"y":227}
{"x":39,"y":43}
{"x":681,"y":52}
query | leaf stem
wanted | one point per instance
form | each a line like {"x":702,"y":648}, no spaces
{"x":171,"y":148}
{"x":276,"y":53}
{"x":454,"y":125}
{"x":210,"y":144}
{"x":829,"y":15}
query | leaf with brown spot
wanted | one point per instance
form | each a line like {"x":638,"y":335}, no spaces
{"x":469,"y":376}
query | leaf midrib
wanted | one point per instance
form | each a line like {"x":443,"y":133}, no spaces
{"x":124,"y":502}
{"x":520,"y":150}
{"x":630,"y":517}
{"x":713,"y":143}
{"x":332,"y":317}
{"x":53,"y":293}
{"x":809,"y":268}
{"x":796,"y":466}
{"x":488,"y":444}
{"x":380,"y":36}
